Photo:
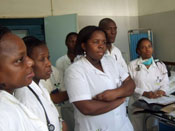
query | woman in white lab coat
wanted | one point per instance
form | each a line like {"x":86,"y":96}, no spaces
{"x":35,"y":96}
{"x":15,"y":72}
{"x":151,"y":81}
{"x":97,"y":85}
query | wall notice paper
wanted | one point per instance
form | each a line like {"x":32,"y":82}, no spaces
{"x":164,"y":100}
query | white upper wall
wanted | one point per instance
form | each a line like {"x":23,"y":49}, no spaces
{"x":146,"y":7}
{"x":41,"y":8}
{"x":24,"y":8}
{"x":96,"y":7}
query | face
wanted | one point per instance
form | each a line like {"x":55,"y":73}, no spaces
{"x":42,"y":65}
{"x":145,"y":50}
{"x":111,"y":30}
{"x":15,"y":67}
{"x":71,"y":42}
{"x":95,"y":46}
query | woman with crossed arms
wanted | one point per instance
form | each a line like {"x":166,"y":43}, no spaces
{"x":97,"y":85}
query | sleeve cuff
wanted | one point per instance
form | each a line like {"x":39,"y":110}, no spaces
{"x":124,"y":76}
{"x":80,"y":98}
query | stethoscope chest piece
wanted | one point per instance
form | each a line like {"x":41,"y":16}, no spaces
{"x":51,"y":127}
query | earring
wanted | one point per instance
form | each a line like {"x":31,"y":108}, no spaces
{"x":84,"y":54}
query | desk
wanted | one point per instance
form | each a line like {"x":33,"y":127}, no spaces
{"x":154,"y":110}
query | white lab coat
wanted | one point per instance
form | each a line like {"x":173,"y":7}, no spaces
{"x":62,"y":64}
{"x":28,"y":98}
{"x":83,"y":81}
{"x":67,"y":111}
{"x":117,"y":55}
{"x":14,"y":116}
{"x":151,"y":79}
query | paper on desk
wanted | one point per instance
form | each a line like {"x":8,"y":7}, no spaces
{"x":171,"y":88}
{"x":172,"y":113}
{"x":164,"y":100}
{"x":168,"y":108}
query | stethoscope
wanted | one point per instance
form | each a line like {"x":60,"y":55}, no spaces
{"x":158,"y":79}
{"x":57,"y":85}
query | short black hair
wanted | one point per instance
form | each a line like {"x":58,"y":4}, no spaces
{"x":104,"y":22}
{"x":84,"y":35}
{"x":3,"y":31}
{"x":70,"y":34}
{"x":140,"y":42}
{"x":31,"y":42}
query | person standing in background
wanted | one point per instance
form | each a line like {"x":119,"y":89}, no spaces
{"x":110,"y":27}
{"x":62,"y":64}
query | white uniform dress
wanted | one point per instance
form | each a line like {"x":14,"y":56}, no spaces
{"x":83,"y":81}
{"x":25,"y":96}
{"x":14,"y":116}
{"x":117,"y":55}
{"x":151,"y":79}
{"x":67,"y":111}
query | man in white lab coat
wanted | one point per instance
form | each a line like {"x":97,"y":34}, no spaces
{"x":110,"y":27}
{"x":62,"y":64}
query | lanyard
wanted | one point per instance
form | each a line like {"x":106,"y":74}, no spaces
{"x":50,"y":126}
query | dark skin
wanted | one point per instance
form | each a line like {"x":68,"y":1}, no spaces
{"x":15,"y":67}
{"x":97,"y":107}
{"x":125,"y":90}
{"x":71,"y":42}
{"x":42,"y":67}
{"x":111,"y":29}
{"x":145,"y":51}
{"x":95,"y":49}
{"x":61,"y":96}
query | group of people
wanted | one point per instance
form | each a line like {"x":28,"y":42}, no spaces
{"x":90,"y":83}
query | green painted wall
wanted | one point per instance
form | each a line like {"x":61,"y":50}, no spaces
{"x":56,"y":29}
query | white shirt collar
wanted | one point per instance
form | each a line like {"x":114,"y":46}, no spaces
{"x":95,"y":69}
{"x":7,"y":96}
{"x":139,"y":62}
{"x":10,"y":97}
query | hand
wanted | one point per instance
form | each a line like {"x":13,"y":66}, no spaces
{"x":150,"y":94}
{"x":154,"y":95}
{"x":64,"y":128}
{"x":108,"y":95}
{"x":159,"y":93}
